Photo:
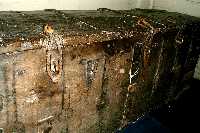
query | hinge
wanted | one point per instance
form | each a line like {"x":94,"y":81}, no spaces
{"x":53,"y":44}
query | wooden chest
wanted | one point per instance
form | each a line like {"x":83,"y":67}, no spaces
{"x":89,"y":71}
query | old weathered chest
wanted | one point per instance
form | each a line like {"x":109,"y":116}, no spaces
{"x":90,"y":71}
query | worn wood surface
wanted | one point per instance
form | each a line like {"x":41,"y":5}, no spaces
{"x":97,"y":71}
{"x":82,"y":27}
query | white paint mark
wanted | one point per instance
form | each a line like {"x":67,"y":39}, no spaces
{"x":32,"y":97}
{"x":131,"y":76}
{"x":122,"y":71}
{"x":45,"y":119}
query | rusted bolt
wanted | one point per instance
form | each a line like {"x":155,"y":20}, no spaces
{"x":47,"y":29}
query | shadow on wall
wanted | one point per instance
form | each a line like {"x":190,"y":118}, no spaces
{"x":191,"y":7}
{"x":66,"y":5}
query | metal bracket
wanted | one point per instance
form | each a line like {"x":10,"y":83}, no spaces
{"x":90,"y":67}
{"x":53,"y":44}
